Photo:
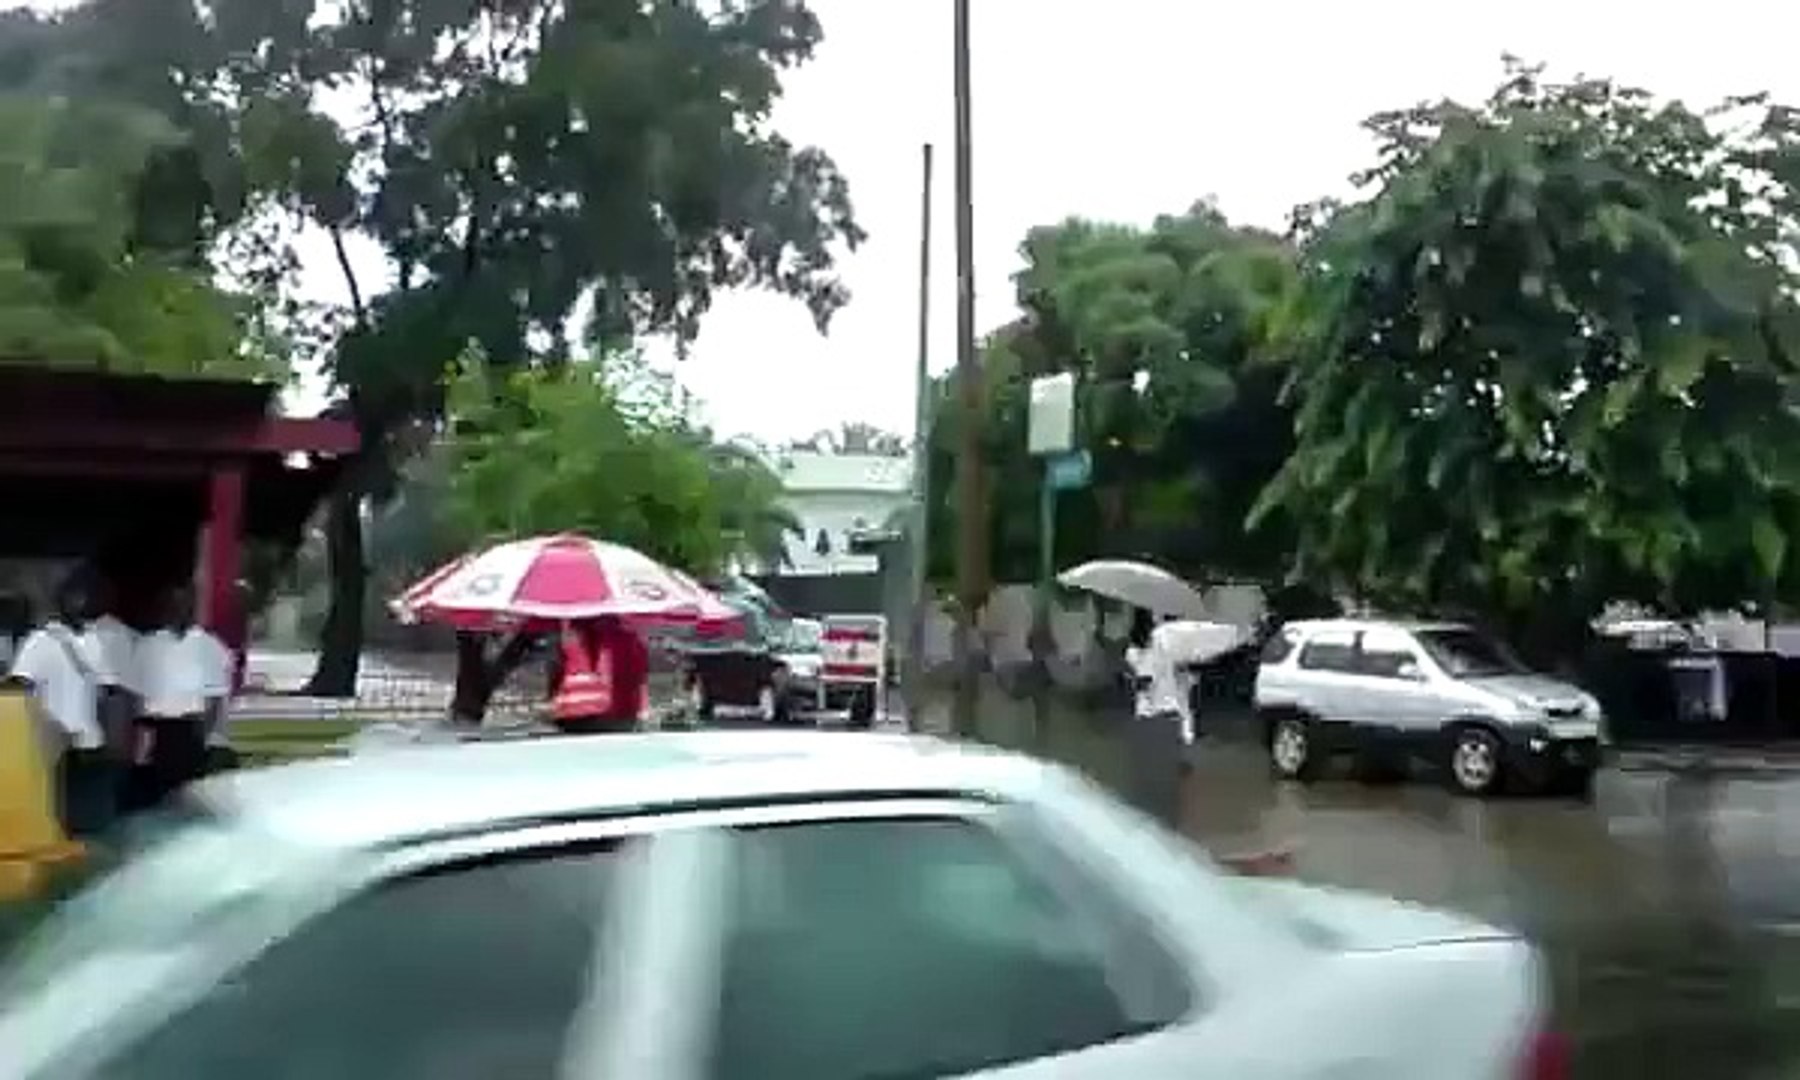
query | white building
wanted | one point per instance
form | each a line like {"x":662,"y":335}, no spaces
{"x":835,"y":497}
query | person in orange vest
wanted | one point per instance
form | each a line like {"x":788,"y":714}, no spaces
{"x":604,"y":677}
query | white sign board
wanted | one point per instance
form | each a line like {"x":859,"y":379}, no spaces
{"x":1051,"y":428}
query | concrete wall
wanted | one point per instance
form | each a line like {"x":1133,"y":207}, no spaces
{"x":1082,"y":632}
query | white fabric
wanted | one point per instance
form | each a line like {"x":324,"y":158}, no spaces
{"x":61,"y":671}
{"x":1195,"y":642}
{"x":114,"y":647}
{"x":1164,"y":688}
{"x":180,"y":672}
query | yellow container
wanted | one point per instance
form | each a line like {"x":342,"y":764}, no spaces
{"x":33,"y":845}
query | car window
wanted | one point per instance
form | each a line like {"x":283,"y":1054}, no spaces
{"x":1385,"y":652}
{"x":473,"y":970}
{"x":1464,"y":653}
{"x":804,"y":636}
{"x":1278,"y":646}
{"x":873,"y":949}
{"x":1329,"y":650}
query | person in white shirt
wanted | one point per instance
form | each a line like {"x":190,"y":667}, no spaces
{"x":114,"y":646}
{"x":60,"y":670}
{"x":184,"y":679}
{"x":1159,"y":733}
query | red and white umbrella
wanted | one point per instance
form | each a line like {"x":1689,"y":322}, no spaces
{"x":556,"y":579}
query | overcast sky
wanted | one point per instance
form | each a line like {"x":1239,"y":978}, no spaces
{"x":1124,"y":109}
{"x":1128,"y":108}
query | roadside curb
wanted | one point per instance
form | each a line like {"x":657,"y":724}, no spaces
{"x":1707,"y":760}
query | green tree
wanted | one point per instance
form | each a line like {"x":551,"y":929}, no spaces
{"x":855,"y":437}
{"x":606,"y":449}
{"x":1172,"y":332}
{"x":1548,"y":362}
{"x":81,"y":285}
{"x":514,"y":162}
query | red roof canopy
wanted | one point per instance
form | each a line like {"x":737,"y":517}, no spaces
{"x":90,"y":460}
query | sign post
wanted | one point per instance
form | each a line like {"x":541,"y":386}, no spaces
{"x":1051,"y":437}
{"x":1067,"y":471}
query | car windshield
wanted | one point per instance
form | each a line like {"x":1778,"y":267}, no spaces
{"x":1469,"y":654}
{"x":169,"y":872}
{"x":802,"y":637}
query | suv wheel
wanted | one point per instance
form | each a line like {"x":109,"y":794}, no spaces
{"x":1475,"y":763}
{"x":1291,"y":749}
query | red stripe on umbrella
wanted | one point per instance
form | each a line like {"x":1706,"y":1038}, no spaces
{"x":565,"y":572}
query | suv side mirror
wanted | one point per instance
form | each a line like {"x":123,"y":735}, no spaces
{"x":1410,"y":671}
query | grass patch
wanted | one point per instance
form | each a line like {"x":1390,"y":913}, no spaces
{"x":324,"y":729}
{"x":273,"y":742}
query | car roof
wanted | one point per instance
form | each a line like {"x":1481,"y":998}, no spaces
{"x":1410,"y":625}
{"x":393,"y":795}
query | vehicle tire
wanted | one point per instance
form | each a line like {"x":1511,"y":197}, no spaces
{"x":700,"y":702}
{"x":1291,"y":749}
{"x":1474,"y":761}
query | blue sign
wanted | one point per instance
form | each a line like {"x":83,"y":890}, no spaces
{"x":1068,"y":471}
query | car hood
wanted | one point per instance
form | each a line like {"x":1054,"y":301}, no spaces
{"x":801,"y":663}
{"x":1346,"y":921}
{"x":1532,"y":691}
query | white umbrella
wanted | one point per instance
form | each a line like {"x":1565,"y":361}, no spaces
{"x":1138,"y":584}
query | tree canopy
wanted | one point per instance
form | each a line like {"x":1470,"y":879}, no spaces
{"x":1172,"y":331}
{"x":1548,"y":362}
{"x":604,"y":448}
{"x":516,"y":164}
{"x":85,"y":281}
{"x":1544,"y":361}
{"x":855,"y":437}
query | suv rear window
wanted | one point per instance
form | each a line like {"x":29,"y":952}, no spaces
{"x":1278,"y":648}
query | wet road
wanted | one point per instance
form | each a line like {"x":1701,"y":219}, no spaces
{"x":1664,"y":906}
{"x":1669,"y":907}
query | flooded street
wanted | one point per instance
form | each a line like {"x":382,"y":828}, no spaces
{"x":1663,"y":906}
{"x":1669,"y":907}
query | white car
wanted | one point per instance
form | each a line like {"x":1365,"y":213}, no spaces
{"x":1385,"y":691}
{"x":724,"y":905}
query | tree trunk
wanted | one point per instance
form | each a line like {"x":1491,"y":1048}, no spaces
{"x":341,"y":638}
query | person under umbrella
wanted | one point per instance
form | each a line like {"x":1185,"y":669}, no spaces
{"x":1157,"y":735}
{"x":601,"y":677}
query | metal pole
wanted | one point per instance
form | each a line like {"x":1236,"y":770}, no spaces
{"x":1042,"y":643}
{"x":918,"y":597}
{"x":971,"y":561}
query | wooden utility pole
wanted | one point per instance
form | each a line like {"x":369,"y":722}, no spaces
{"x":971,"y":501}
{"x":918,"y":597}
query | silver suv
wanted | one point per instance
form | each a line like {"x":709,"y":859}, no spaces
{"x":1389,"y":691}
